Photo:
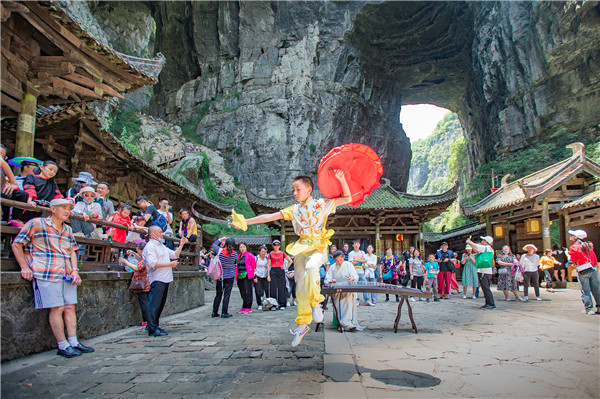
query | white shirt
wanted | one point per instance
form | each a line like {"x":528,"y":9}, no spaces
{"x":261,"y":267}
{"x":530,"y":263}
{"x":82,"y":207}
{"x":341,"y":273}
{"x":359,"y":266}
{"x":156,"y":252}
{"x":371,"y":261}
{"x":481,"y":249}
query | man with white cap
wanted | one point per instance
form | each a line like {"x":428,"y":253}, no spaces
{"x":483,"y":263}
{"x":53,"y":268}
{"x":530,"y":262}
{"x":582,"y":254}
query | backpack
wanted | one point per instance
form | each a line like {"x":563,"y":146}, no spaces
{"x":159,"y":220}
{"x":215,"y":269}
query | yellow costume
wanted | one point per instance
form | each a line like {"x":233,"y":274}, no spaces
{"x":309,"y":251}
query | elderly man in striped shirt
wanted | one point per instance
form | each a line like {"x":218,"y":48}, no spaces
{"x":52,"y":265}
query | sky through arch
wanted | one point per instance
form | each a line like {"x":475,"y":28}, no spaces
{"x":419,"y":120}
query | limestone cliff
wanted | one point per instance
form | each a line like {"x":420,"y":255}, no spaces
{"x":274,"y":85}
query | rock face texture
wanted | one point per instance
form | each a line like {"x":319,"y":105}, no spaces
{"x":275,"y":85}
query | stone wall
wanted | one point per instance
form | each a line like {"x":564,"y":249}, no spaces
{"x":105,"y":305}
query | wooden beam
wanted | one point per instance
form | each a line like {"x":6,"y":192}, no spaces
{"x":89,"y":83}
{"x":12,"y":104}
{"x":65,"y":84}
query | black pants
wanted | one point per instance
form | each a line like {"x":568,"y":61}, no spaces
{"x":405,"y":279}
{"x":261,"y":287}
{"x":393,"y":282}
{"x":245,"y":286}
{"x":223,"y":291}
{"x":417,"y":282}
{"x":16,"y":213}
{"x":292,"y":293}
{"x":485,"y":280}
{"x":143,"y":300}
{"x":157,"y":297}
{"x":278,"y":285}
{"x":533,"y":279}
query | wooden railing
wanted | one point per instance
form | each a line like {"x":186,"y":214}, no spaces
{"x":94,"y":255}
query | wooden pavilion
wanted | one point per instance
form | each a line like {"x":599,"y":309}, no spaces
{"x":387,"y":218}
{"x":49,"y":59}
{"x":522,"y":211}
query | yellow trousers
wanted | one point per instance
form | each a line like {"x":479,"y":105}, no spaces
{"x":308,"y":288}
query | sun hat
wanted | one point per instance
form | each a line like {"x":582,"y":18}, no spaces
{"x":60,"y":201}
{"x":87,"y":189}
{"x":581,"y":234}
{"x":85,"y":177}
{"x":529,"y":245}
{"x":487,"y":239}
{"x":469,"y":247}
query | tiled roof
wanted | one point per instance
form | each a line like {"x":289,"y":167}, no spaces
{"x":535,"y":186}
{"x":383,"y":197}
{"x":587,"y":200}
{"x":146,"y":69}
{"x":470,"y":228}
{"x":253,"y":240}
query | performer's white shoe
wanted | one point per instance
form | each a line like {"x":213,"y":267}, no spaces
{"x":299,"y":333}
{"x":317,"y":314}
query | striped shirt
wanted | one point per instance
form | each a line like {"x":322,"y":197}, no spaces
{"x":49,"y":249}
{"x":227,"y":262}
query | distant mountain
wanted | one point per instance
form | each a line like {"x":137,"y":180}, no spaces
{"x":429,"y":165}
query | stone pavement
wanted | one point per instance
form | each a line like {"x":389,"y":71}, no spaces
{"x":535,"y":349}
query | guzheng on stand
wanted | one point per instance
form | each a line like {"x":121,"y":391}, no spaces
{"x":378,"y":288}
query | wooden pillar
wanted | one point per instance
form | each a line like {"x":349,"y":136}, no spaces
{"x":564,"y":235}
{"x":200,"y":235}
{"x":488,"y":226}
{"x":507,"y":233}
{"x":378,"y":249}
{"x":421,"y":244}
{"x":26,"y":127}
{"x":546,"y":243}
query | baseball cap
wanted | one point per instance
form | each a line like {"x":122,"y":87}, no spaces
{"x":60,"y":201}
{"x":444,"y":243}
{"x":276,"y":242}
{"x":487,"y":239}
{"x":581,"y":234}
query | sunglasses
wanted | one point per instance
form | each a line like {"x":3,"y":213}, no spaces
{"x":276,"y":245}
{"x":88,"y":195}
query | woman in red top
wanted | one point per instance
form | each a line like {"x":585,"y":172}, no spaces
{"x":276,"y":273}
{"x":121,"y":216}
{"x":582,"y":254}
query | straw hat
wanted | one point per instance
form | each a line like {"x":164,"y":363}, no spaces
{"x":529,"y":245}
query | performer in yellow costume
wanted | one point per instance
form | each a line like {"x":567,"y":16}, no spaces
{"x":308,"y":217}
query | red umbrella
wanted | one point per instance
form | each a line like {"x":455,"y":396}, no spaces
{"x":361,"y":166}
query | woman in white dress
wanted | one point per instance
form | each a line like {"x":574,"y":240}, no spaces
{"x":343,"y":272}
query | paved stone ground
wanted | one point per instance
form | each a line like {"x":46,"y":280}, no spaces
{"x":535,"y":349}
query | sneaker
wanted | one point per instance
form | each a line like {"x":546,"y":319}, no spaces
{"x":287,"y":304}
{"x":508,"y":299}
{"x":15,"y":223}
{"x":436,"y":299}
{"x":282,"y":308}
{"x":317,"y":314}
{"x":299,"y":333}
{"x":538,"y":298}
{"x":591,"y":311}
{"x":259,"y":307}
{"x":421,"y":299}
{"x":242,"y":310}
{"x":474,"y":297}
{"x":387,"y":299}
{"x":526,"y":298}
{"x":427,"y":300}
{"x":465,"y":296}
{"x":294,"y":303}
{"x":522,"y":299}
{"x":247,"y":310}
{"x":411,"y":299}
{"x":488,"y":307}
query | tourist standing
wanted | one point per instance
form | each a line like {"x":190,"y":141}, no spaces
{"x":484,"y":264}
{"x":224,"y":248}
{"x":547,"y":263}
{"x":469,"y":276}
{"x":506,"y":279}
{"x":165,"y":209}
{"x":417,"y":272}
{"x":52,"y":265}
{"x":407,"y":256}
{"x":261,"y":284}
{"x":276,"y":273}
{"x":433,"y":269}
{"x":245,"y":264}
{"x":582,"y":254}
{"x":445,"y":258}
{"x":357,"y":258}
{"x":530,"y":262}
{"x":370,"y":267}
{"x":160,"y":262}
{"x":391,"y":269}
{"x":345,"y":273}
{"x":561,"y":267}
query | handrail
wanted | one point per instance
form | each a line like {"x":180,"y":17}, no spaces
{"x":101,"y":222}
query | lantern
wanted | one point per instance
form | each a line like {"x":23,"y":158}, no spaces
{"x":399,"y":237}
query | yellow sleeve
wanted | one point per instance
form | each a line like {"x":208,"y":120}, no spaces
{"x":288,"y":212}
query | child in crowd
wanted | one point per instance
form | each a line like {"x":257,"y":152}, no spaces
{"x":547,"y":263}
{"x":89,"y":209}
{"x":308,"y":217}
{"x":433,"y":269}
{"x":138,"y":222}
{"x":121,"y":216}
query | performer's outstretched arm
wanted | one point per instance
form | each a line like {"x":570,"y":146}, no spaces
{"x":346,"y":194}
{"x":264,"y":218}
